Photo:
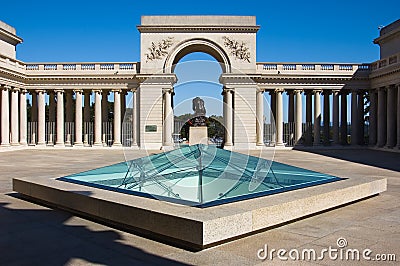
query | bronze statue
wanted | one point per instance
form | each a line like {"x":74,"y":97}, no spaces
{"x":199,"y":112}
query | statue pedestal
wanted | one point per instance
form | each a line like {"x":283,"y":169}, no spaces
{"x":198,"y":135}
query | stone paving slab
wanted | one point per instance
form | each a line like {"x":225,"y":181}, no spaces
{"x":94,"y":243}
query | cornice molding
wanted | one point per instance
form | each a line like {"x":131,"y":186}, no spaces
{"x":196,"y":28}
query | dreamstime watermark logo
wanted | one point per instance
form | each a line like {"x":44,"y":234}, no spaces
{"x":338,"y":252}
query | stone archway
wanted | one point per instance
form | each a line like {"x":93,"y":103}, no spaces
{"x":191,"y":46}
{"x":231,"y":40}
{"x":197,"y":45}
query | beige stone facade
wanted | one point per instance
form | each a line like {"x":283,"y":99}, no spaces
{"x":231,"y":40}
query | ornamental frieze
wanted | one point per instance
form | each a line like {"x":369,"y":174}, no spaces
{"x":238,"y":49}
{"x":159,"y":50}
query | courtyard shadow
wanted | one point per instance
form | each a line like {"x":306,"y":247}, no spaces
{"x":43,"y":237}
{"x":382,"y":159}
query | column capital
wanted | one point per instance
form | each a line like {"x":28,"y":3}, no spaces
{"x":40,"y":91}
{"x":14,"y":89}
{"x":279,"y":90}
{"x":59,"y":91}
{"x":97,"y":91}
{"x":133,"y":90}
{"x":167,"y":90}
{"x":335,"y":91}
{"x":260,"y":90}
{"x":5,"y":87}
{"x":298,"y":91}
{"x":78,"y":90}
{"x":317,"y":91}
{"x":23,"y":91}
{"x":117,"y":90}
{"x":225,"y":90}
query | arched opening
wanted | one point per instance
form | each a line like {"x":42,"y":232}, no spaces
{"x":198,"y":75}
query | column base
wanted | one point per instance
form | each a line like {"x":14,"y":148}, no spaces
{"x":41,"y":144}
{"x":134,"y":146}
{"x":59,"y":144}
{"x":98,"y":144}
{"x":280,"y":144}
{"x":167,"y":147}
{"x":5,"y":145}
{"x":24,"y":143}
{"x":78,"y":144}
{"x":117,"y":144}
{"x":15,"y":144}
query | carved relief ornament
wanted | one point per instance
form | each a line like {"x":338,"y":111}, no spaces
{"x":159,"y":50}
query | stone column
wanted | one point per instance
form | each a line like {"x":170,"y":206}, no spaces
{"x":372,"y":118}
{"x":335,"y":116}
{"x":134,"y":118}
{"x":97,"y":118}
{"x":86,"y":108}
{"x":168,"y":118}
{"x":354,"y":118}
{"x":381,"y":117}
{"x":308,"y":133}
{"x":14,"y":117}
{"x":41,"y":117}
{"x":260,"y":117}
{"x":78,"y":118}
{"x":317,"y":116}
{"x":52,"y":107}
{"x":298,"y":119}
{"x":343,"y":118}
{"x":117,"y":118}
{"x":22,"y":118}
{"x":327,"y":108}
{"x":60,"y":118}
{"x":5,"y":118}
{"x":360,"y":113}
{"x":391,"y":117}
{"x":279,"y":117}
{"x":228,"y":117}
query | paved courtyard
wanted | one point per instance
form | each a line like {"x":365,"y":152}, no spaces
{"x":31,"y":234}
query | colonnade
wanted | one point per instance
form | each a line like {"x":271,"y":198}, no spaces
{"x":311,"y":133}
{"x":14,"y":119}
{"x":385,"y":116}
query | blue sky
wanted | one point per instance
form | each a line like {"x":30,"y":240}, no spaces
{"x":291,"y":31}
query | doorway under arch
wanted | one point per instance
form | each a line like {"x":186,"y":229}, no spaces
{"x":198,"y":75}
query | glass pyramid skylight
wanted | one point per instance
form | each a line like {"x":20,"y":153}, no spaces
{"x":200,"y":175}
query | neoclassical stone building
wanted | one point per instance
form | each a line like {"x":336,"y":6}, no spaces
{"x":61,"y":93}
